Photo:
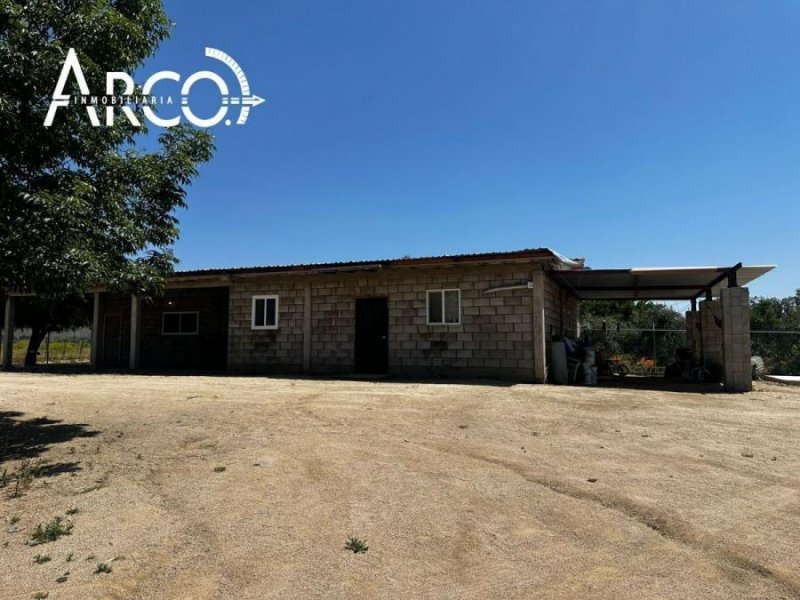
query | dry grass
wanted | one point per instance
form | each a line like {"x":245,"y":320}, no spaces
{"x":463,"y":491}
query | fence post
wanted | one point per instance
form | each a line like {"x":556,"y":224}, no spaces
{"x":94,"y":349}
{"x":8,"y":334}
{"x":655,"y":353}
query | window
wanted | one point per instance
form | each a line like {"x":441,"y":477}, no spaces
{"x":265,"y":312}
{"x":180,"y":323}
{"x":444,"y":307}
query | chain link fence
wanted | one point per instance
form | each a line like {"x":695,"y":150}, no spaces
{"x":649,"y":351}
{"x":645,"y":352}
{"x":57,"y":348}
{"x":779,"y":349}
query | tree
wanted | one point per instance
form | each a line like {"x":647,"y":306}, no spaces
{"x":83,"y":205}
{"x":43,"y":316}
{"x":781,"y":352}
{"x":626,"y":323}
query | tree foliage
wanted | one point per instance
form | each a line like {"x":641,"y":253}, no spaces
{"x":781,"y":352}
{"x":82,"y":205}
{"x":622,"y":325}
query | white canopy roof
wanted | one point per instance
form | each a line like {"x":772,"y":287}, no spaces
{"x":668,"y":283}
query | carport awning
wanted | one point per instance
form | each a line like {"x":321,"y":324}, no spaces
{"x":673,"y":283}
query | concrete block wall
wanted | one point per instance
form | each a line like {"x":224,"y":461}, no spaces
{"x":205,"y":350}
{"x":494,"y":338}
{"x":561,"y":311}
{"x":693,"y":333}
{"x":710,"y":314}
{"x":266,"y":350}
{"x":333,"y":318}
{"x":735,"y":305}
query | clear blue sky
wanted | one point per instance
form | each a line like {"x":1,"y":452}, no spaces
{"x":633,"y":133}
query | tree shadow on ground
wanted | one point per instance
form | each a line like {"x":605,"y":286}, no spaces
{"x":29,"y":438}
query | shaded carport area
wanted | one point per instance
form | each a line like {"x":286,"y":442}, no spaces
{"x":185,"y":328}
{"x":718,"y":324}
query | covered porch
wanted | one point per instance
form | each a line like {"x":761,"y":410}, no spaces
{"x":185,"y":329}
{"x":718,"y":322}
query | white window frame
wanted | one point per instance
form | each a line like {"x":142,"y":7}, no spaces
{"x":444,"y":315}
{"x":181,"y":312}
{"x":266,"y":298}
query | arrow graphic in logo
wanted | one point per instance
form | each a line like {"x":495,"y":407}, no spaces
{"x":246,"y":100}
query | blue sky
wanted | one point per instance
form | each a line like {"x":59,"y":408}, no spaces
{"x":633,"y":133}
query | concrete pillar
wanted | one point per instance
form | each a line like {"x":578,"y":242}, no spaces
{"x":539,"y":334}
{"x":8,"y":334}
{"x":95,"y":350}
{"x":693,"y":333}
{"x":710,"y":316}
{"x":136,"y":306}
{"x":738,"y":374}
{"x":307,"y":329}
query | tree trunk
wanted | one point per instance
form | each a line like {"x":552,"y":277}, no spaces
{"x":37,"y":335}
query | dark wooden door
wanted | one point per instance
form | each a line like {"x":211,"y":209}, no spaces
{"x":372,"y":335}
{"x":112,"y":340}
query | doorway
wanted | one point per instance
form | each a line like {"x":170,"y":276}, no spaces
{"x":112,"y":340}
{"x":372,"y":335}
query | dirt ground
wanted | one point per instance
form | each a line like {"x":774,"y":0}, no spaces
{"x":460,"y":490}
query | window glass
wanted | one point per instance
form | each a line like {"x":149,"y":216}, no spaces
{"x":172,"y":323}
{"x":435,"y":307}
{"x":258,"y":312}
{"x":451,"y":306}
{"x":189,"y":322}
{"x":265,"y":312}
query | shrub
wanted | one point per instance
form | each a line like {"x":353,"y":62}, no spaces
{"x":51,"y":532}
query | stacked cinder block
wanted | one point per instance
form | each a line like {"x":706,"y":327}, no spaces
{"x":561,"y":311}
{"x":206,"y":350}
{"x":692,"y":333}
{"x":494,"y":337}
{"x":270,"y":350}
{"x":735,"y":302}
{"x":710,"y":316}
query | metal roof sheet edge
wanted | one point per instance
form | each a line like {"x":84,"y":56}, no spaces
{"x":396,"y":262}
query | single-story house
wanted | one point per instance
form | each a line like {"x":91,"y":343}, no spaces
{"x":489,"y":315}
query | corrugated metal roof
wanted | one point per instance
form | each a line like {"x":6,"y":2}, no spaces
{"x":667,"y":283}
{"x":382,"y":263}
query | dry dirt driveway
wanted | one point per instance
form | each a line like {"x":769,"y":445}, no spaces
{"x":461,"y":491}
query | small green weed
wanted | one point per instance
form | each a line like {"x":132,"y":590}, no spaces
{"x":40,"y":559}
{"x":40,"y":595}
{"x":356,"y":545}
{"x":219,"y":469}
{"x":73,"y":511}
{"x":51,"y":532}
{"x":103,"y":568}
{"x":14,"y":520}
{"x":70,"y":556}
{"x":23,"y":476}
